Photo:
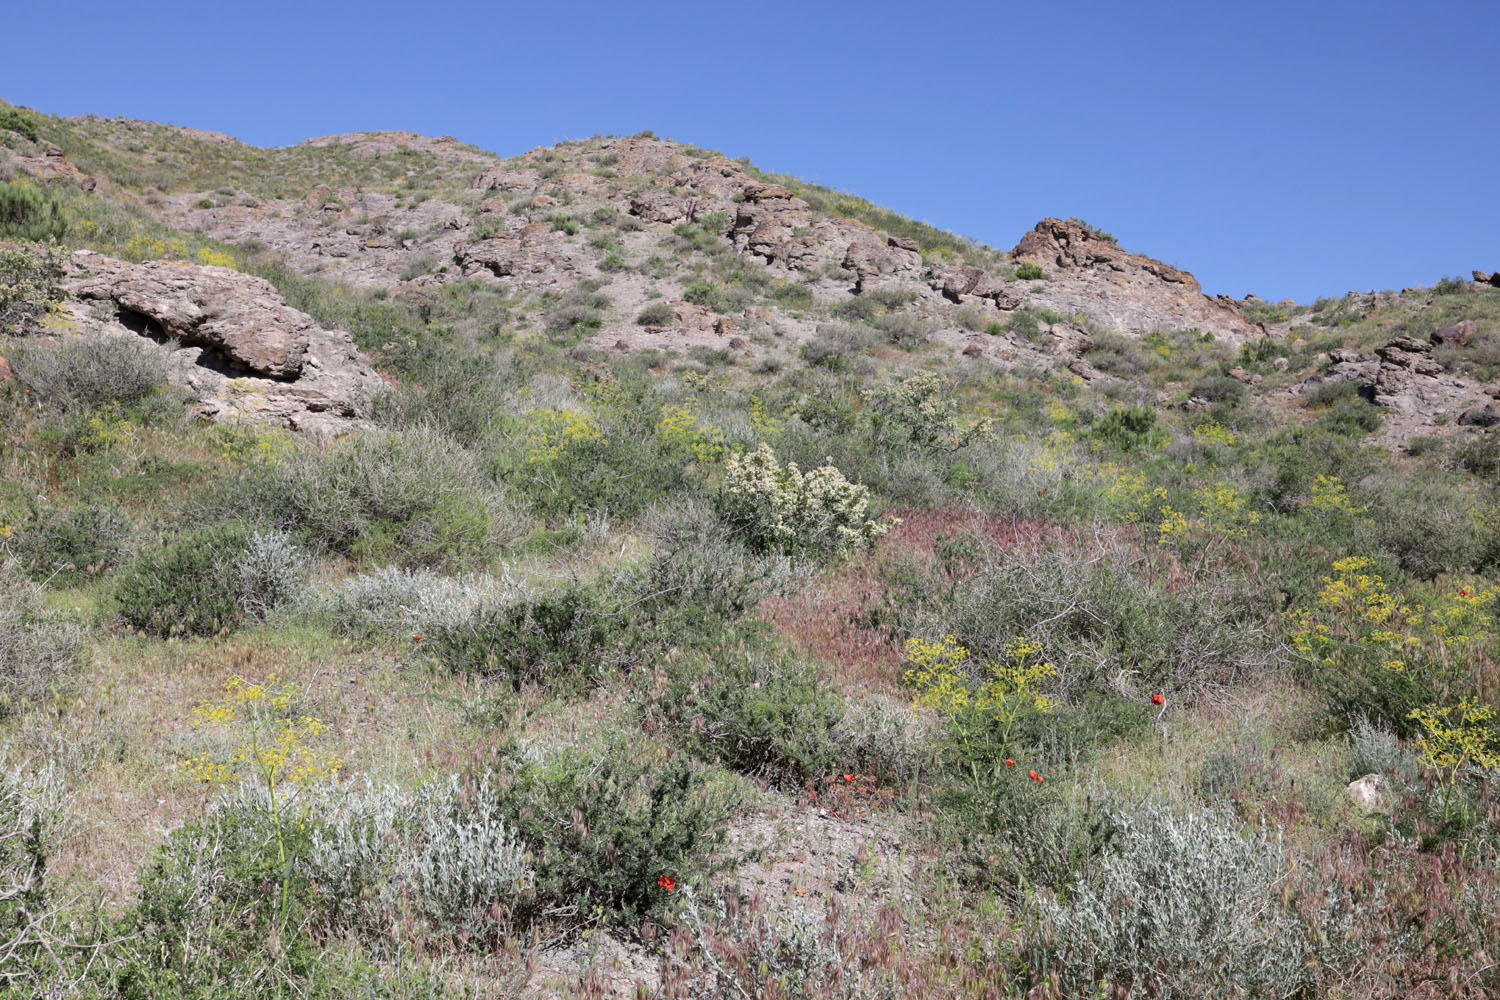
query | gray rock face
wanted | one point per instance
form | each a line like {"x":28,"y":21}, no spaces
{"x":1123,"y":290}
{"x":244,"y":353}
{"x":530,"y":257}
{"x":1457,"y":335}
{"x":241,"y":316}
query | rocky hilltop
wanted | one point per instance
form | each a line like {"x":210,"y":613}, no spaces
{"x":632,"y":244}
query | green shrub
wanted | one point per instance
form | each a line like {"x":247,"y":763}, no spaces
{"x":836,"y":345}
{"x":706,"y":294}
{"x":793,"y":295}
{"x":564,"y":637}
{"x":73,"y":543}
{"x":28,"y":286}
{"x":902,"y":329}
{"x":756,"y":710}
{"x":17,"y":121}
{"x":29,"y":212}
{"x":858,"y":309}
{"x":920,"y":409}
{"x":1118,"y":355}
{"x":38,"y":648}
{"x":1219,"y":389}
{"x":605,"y":824}
{"x":698,"y":569}
{"x":656,"y":314}
{"x":86,"y":373}
{"x":1029,"y":271}
{"x":188,"y":587}
{"x":411,"y":497}
{"x":1128,"y":429}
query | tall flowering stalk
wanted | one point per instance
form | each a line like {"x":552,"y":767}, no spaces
{"x":276,"y":748}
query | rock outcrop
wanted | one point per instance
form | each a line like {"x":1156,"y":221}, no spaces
{"x":531,"y":257}
{"x":1129,"y":292}
{"x":242,"y":352}
{"x":241,"y":317}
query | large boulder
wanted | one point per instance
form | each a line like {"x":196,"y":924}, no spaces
{"x":1457,"y":335}
{"x":242,"y":317}
{"x":242,"y":352}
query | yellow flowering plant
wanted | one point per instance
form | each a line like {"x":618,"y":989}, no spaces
{"x":1456,"y":739}
{"x":275,"y":747}
{"x":983,"y":705}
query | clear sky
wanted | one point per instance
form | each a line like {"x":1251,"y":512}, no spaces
{"x":1289,"y":149}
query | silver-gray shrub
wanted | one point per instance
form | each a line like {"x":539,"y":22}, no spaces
{"x":272,"y":573}
{"x":38,"y":648}
{"x":439,"y":854}
{"x":1374,"y":749}
{"x":31,"y":812}
{"x":1185,"y":905}
{"x":86,"y":372}
{"x":392,"y":601}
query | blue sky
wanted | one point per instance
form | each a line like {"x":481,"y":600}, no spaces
{"x":1289,"y":149}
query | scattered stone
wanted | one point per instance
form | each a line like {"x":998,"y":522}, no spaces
{"x":1084,"y":370}
{"x":1481,"y":415}
{"x":654,"y":205}
{"x":973,"y":350}
{"x":6,"y":371}
{"x":1281,"y":364}
{"x":1485,"y":277}
{"x":1368,"y":792}
{"x":621,"y":346}
{"x":1069,"y":340}
{"x":1457,"y":335}
{"x":1240,"y":375}
{"x":736,"y":343}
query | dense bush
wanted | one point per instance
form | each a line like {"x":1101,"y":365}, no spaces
{"x":605,"y":824}
{"x":1101,"y":623}
{"x":28,"y":286}
{"x":412,"y":497}
{"x":392,"y":602}
{"x":756,"y":710}
{"x":837,"y":345}
{"x":186,"y":587}
{"x":1129,"y":428}
{"x":1182,"y":906}
{"x":88,"y":372}
{"x":72,"y":543}
{"x":564,"y":637}
{"x":29,"y":212}
{"x":17,"y":121}
{"x":38,"y":648}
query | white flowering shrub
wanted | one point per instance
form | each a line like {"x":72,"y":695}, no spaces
{"x":920,"y":409}
{"x":783,"y":509}
{"x":1183,"y":906}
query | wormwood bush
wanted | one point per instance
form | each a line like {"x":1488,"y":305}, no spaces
{"x":1182,"y":906}
{"x":38,"y":648}
{"x":562,"y":636}
{"x":783,"y":509}
{"x":1129,"y":429}
{"x":442,"y":855}
{"x":837,"y":345}
{"x":73,"y":543}
{"x":413,"y":497}
{"x":606,"y":823}
{"x":395,"y":602}
{"x":188,"y":587}
{"x":272,"y":572}
{"x":91,"y":371}
{"x":28,"y":286}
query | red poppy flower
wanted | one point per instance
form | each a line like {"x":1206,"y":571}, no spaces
{"x":1158,"y":699}
{"x":848,"y":777}
{"x":1009,"y":762}
{"x":1035,"y":776}
{"x":416,"y":638}
{"x":667,"y":882}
